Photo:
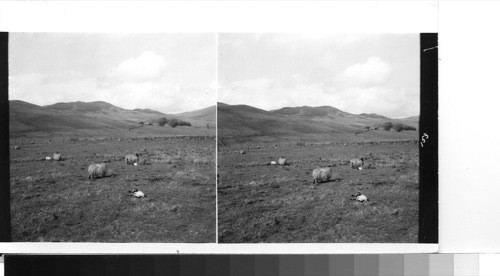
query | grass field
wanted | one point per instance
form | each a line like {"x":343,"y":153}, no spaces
{"x":259,"y":202}
{"x":55,"y":200}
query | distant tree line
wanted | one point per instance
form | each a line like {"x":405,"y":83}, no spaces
{"x":173,"y":122}
{"x":397,"y":126}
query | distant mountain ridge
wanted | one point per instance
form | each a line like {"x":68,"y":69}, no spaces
{"x":304,"y":122}
{"x":94,"y":118}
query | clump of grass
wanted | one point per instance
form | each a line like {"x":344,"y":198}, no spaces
{"x":162,"y":158}
{"x":144,"y":161}
{"x":251,"y":164}
{"x":370,"y":166}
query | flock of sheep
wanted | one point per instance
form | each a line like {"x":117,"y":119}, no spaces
{"x":325,"y":174}
{"x":100,"y":170}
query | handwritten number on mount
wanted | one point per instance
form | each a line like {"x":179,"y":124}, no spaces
{"x":424,"y":138}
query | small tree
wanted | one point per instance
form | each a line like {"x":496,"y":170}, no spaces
{"x":387,"y":126}
{"x":398,"y":127}
{"x":162,"y":121}
{"x":173,"y":122}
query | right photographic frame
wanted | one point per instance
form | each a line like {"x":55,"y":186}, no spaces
{"x":327,"y":138}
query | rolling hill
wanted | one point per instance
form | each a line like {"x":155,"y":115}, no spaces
{"x":96,"y":119}
{"x":242,"y":123}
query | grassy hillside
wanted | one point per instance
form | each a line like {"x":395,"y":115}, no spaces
{"x":242,"y":123}
{"x":95,"y":119}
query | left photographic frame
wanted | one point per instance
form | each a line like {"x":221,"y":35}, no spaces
{"x":112,"y":137}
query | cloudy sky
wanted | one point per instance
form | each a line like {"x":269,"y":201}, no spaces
{"x":355,"y":73}
{"x":170,"y":73}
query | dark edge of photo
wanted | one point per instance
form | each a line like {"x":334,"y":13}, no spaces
{"x":5,"y":231}
{"x":428,"y":143}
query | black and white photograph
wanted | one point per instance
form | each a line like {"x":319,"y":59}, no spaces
{"x":112,"y":137}
{"x":318,"y":138}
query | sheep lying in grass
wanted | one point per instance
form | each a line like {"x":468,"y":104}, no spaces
{"x":97,"y":170}
{"x":136,"y":193}
{"x":321,"y":175}
{"x":357,"y":163}
{"x":132,"y":158}
{"x":359,"y":197}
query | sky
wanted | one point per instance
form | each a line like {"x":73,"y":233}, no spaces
{"x":357,"y":73}
{"x":170,"y":73}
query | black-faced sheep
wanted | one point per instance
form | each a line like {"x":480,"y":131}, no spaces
{"x":97,"y":170}
{"x":359,"y":197}
{"x":132,"y":158}
{"x":357,"y":163}
{"x":322,"y":175}
{"x":136,"y":193}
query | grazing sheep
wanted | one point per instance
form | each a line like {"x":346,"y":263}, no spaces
{"x":57,"y":156}
{"x":357,"y":163}
{"x":136,"y":193}
{"x":132,"y":158}
{"x":242,"y":152}
{"x":321,"y":175}
{"x":48,"y":158}
{"x":359,"y":197}
{"x":97,"y":170}
{"x":282,"y":161}
{"x":273,"y":163}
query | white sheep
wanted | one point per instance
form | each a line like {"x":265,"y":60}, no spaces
{"x":359,"y":197}
{"x":282,"y":161}
{"x":321,"y":175}
{"x":57,"y":156}
{"x":97,"y":170}
{"x":48,"y":158}
{"x":136,"y":193}
{"x":132,"y":158}
{"x":273,"y":163}
{"x":357,"y":163}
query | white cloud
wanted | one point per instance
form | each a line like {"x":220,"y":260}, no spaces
{"x":374,"y":71}
{"x":148,"y":66}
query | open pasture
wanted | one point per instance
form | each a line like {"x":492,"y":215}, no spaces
{"x":260,"y":202}
{"x":56,"y":201}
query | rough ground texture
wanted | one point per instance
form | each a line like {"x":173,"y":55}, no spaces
{"x":55,"y":200}
{"x":258,"y":202}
